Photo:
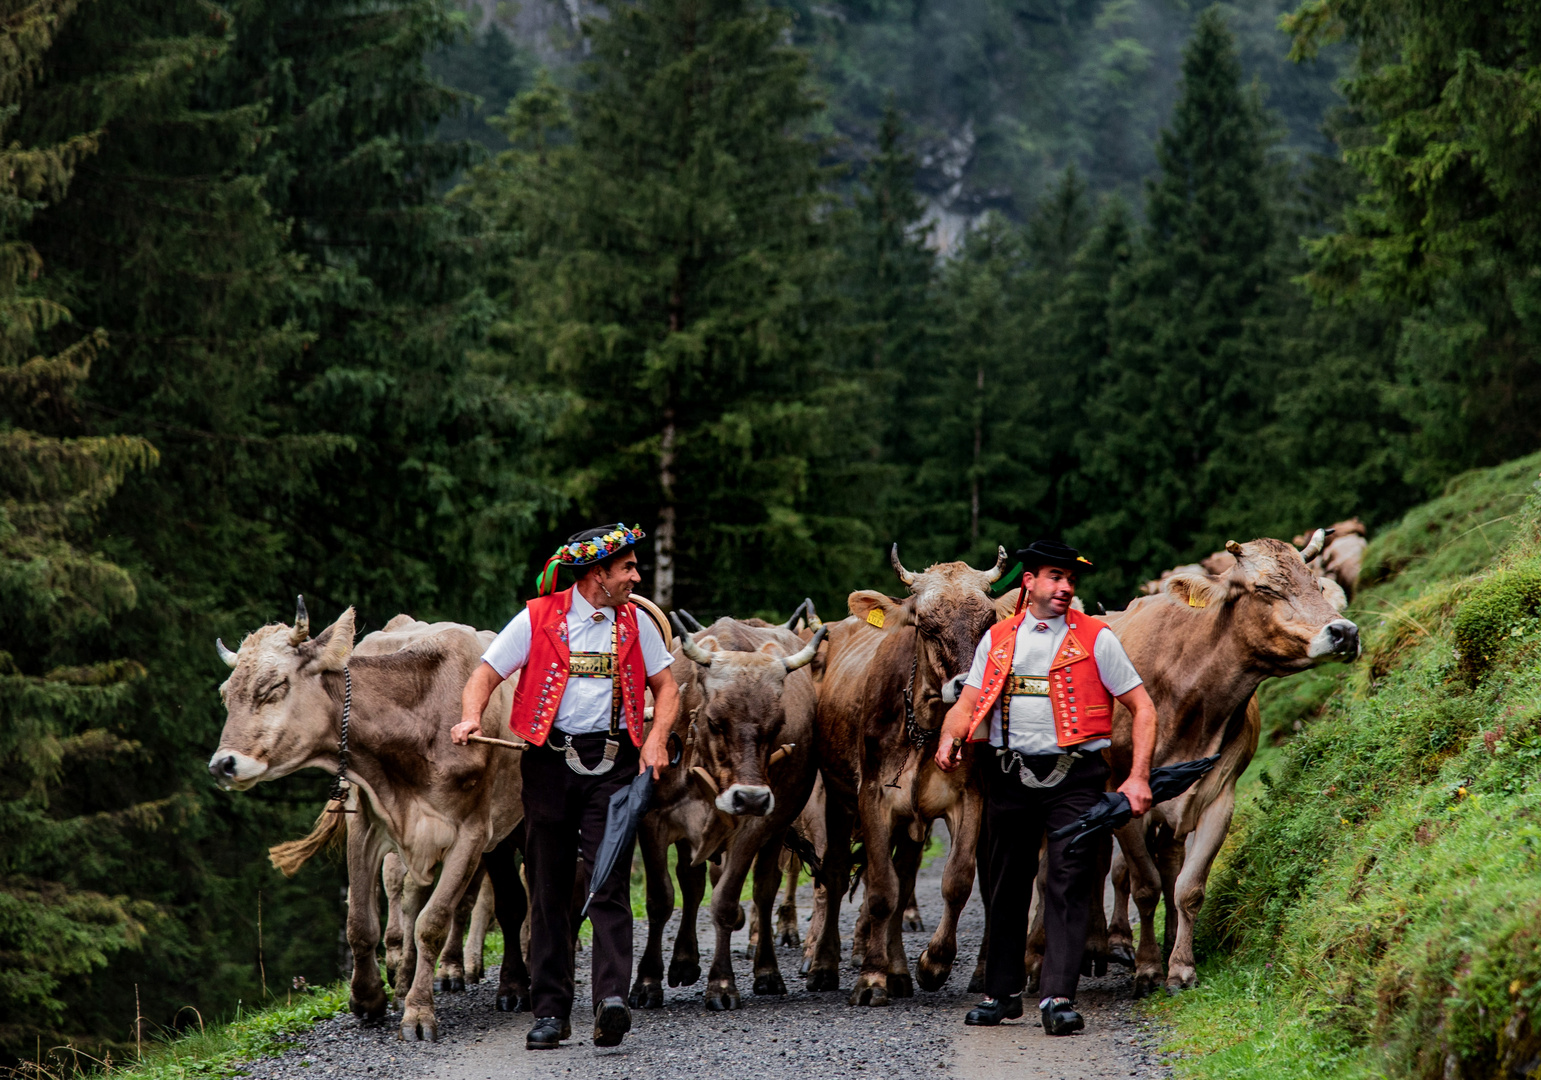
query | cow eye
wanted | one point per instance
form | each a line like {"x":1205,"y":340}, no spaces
{"x":274,"y":693}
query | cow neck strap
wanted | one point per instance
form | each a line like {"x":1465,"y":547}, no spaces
{"x":340,"y":781}
{"x":917,"y":735}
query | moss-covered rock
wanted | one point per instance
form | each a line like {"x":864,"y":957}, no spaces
{"x":1501,"y":610}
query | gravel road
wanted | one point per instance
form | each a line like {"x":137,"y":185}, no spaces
{"x":799,"y":1035}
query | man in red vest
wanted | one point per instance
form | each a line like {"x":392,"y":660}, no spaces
{"x":587,"y":662}
{"x":1041,"y":690}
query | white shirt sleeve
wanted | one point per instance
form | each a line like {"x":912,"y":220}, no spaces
{"x":654,"y":656}
{"x":976,"y":672}
{"x":510,"y":650}
{"x":1118,"y":674}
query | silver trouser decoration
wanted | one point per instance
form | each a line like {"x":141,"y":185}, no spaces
{"x":1061,"y":769}
{"x":612,"y":747}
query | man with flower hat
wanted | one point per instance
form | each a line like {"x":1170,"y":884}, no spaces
{"x":1041,"y":690}
{"x":587,"y":661}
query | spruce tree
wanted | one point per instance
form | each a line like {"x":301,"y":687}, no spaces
{"x":671,"y":265}
{"x":1188,"y":379}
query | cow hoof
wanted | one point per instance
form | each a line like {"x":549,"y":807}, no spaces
{"x":929,"y":975}
{"x":419,"y":1024}
{"x":791,"y":939}
{"x":805,"y":967}
{"x":473,"y":975}
{"x":646,"y":995}
{"x":514,"y":1001}
{"x":822,"y":979}
{"x":722,"y":999}
{"x":976,"y":982}
{"x":369,"y":1008}
{"x":1180,"y":980}
{"x":913,"y":925}
{"x":1145,"y":983}
{"x":770,"y":983}
{"x":684,"y":973}
{"x":900,"y":986}
{"x":869,"y":995}
{"x":1094,"y":965}
{"x":452,"y":985}
{"x":1121,"y":954}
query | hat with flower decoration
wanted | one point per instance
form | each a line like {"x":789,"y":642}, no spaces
{"x":586,"y":548}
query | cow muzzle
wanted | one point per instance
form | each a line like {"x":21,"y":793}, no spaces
{"x":747,"y":800}
{"x":1338,"y":638}
{"x":235,"y":771}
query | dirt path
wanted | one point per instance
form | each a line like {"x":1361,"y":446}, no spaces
{"x":799,"y":1035}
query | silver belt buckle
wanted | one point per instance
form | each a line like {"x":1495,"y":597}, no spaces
{"x":575,"y":763}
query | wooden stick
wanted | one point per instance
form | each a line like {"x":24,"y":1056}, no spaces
{"x":498,"y":742}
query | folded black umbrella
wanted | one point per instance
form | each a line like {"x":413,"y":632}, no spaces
{"x":1113,"y":810}
{"x":621,"y":819}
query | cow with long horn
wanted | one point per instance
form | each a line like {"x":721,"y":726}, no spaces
{"x":748,"y":770}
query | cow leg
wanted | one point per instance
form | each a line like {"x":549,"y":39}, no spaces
{"x":482,"y":914}
{"x":727,"y":916}
{"x":911,"y":921}
{"x":963,"y":825}
{"x":417,"y":1018}
{"x":413,"y":897}
{"x":366,"y":854}
{"x":1202,"y":847}
{"x":815,"y":928}
{"x":512,"y":905}
{"x":786,"y":912}
{"x":685,"y":965}
{"x":452,"y":969}
{"x":393,"y":876}
{"x":824,"y":973}
{"x":1145,"y":885}
{"x":859,"y":935}
{"x":1120,"y":935}
{"x":881,"y":883}
{"x":1037,"y":939}
{"x":767,"y":882}
{"x":906,"y":866}
{"x":647,"y":991}
{"x":1169,"y":858}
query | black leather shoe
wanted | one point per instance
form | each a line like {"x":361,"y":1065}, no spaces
{"x":992,"y":1011}
{"x":1060,"y":1017}
{"x":548,"y":1033}
{"x":612,"y":1020}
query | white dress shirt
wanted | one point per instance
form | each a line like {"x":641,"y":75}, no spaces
{"x":1032,"y":716}
{"x":585,"y":703}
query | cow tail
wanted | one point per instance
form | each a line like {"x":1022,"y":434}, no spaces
{"x":288,"y":857}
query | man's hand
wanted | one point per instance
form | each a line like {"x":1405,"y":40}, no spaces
{"x":666,"y":703}
{"x":1137,"y":791}
{"x":473,"y":699}
{"x":955,"y":729}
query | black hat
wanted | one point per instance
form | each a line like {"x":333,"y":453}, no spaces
{"x":1041,"y":553}
{"x":586,"y":548}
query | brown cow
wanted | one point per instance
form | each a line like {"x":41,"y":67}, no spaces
{"x":880,"y":707}
{"x":1203,"y":646}
{"x":745,"y":776}
{"x":415,"y":792}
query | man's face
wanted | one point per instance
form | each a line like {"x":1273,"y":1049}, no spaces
{"x":617,"y":580}
{"x":1051,"y":589}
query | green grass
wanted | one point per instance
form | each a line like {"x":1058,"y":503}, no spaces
{"x":1377,"y":908}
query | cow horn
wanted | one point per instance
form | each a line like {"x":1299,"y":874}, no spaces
{"x":781,"y":751}
{"x":688,"y":644}
{"x":690,"y":621}
{"x":904,"y":575}
{"x":1233,"y":547}
{"x":797,"y":613}
{"x":301,"y":629}
{"x":1314,"y":547}
{"x":225,"y":654}
{"x":1000,"y":567}
{"x":705,"y":778}
{"x":804,"y":656}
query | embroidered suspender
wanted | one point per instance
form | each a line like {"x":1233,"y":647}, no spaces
{"x":602,"y":665}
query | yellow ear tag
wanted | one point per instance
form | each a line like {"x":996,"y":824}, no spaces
{"x":875,"y":617}
{"x":1195,"y":601}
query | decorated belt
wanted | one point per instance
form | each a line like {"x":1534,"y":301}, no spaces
{"x":1033,"y":685}
{"x":601,"y":665}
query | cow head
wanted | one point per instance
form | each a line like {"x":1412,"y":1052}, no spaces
{"x":739,"y":718}
{"x":1287,"y":617}
{"x":279,"y":713}
{"x":950,"y":609}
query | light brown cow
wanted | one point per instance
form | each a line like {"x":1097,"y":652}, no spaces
{"x":1203,"y":646}
{"x":431,"y":801}
{"x":880,"y":707}
{"x":745,"y":774}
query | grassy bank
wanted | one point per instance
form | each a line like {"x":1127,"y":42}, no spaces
{"x":1377,"y":910}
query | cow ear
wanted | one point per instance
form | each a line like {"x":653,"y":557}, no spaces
{"x":873,"y":607}
{"x":1196,"y":589}
{"x":330,"y":649}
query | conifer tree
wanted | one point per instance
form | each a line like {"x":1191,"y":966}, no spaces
{"x":1188,"y":379}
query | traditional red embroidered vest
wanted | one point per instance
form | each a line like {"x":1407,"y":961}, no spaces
{"x":545,"y":674}
{"x":1083,"y":708}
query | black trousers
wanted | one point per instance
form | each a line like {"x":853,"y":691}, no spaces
{"x":1016,"y":818}
{"x":564,"y":818}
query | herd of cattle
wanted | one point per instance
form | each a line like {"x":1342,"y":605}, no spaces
{"x":827,"y":765}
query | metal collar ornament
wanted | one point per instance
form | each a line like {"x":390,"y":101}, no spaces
{"x":585,"y":553}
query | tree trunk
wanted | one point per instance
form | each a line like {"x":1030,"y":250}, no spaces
{"x":663,"y":539}
{"x":979,"y":421}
